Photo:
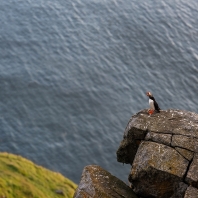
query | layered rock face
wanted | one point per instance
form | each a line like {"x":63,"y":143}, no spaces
{"x":163,"y":151}
{"x":98,"y":183}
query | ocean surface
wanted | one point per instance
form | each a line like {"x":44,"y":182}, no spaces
{"x":74,"y":72}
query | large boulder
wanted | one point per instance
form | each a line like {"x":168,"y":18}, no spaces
{"x":162,"y":149}
{"x":157,"y":166}
{"x":98,"y":183}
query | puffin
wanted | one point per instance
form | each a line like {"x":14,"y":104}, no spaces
{"x":153,"y":104}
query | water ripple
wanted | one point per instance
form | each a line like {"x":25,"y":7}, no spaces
{"x":73,"y":72}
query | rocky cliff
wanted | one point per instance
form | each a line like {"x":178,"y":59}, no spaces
{"x":163,"y":151}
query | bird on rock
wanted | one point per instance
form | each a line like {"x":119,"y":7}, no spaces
{"x":152,"y":103}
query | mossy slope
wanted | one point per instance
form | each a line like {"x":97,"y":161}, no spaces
{"x":21,"y":178}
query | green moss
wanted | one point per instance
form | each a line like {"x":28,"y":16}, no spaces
{"x":20,"y":177}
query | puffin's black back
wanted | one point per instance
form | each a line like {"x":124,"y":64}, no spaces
{"x":155,"y":104}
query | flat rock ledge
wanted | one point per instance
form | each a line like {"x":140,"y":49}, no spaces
{"x":162,"y":149}
{"x":98,"y":183}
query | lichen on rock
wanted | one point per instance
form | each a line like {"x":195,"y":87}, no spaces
{"x":98,"y":183}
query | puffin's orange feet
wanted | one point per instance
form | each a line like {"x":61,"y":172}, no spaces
{"x":150,"y":111}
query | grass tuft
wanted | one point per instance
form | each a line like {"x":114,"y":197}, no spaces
{"x":22,"y":178}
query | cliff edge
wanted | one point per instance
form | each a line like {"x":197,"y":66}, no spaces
{"x":163,"y":151}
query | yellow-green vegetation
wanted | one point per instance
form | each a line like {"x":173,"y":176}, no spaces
{"x":21,"y":178}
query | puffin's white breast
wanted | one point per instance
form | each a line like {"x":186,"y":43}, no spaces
{"x":151,"y":103}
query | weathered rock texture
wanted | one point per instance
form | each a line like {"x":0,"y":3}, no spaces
{"x":191,"y":192}
{"x":163,"y":151}
{"x":98,"y":183}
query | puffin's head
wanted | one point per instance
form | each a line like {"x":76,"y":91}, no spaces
{"x":149,"y":94}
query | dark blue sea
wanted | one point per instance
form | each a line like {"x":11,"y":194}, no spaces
{"x":73,"y":72}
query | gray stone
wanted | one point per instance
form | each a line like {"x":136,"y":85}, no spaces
{"x":60,"y":192}
{"x":98,"y":183}
{"x":186,"y":142}
{"x":160,"y":138}
{"x":191,"y":192}
{"x":186,"y":153}
{"x":157,"y":169}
